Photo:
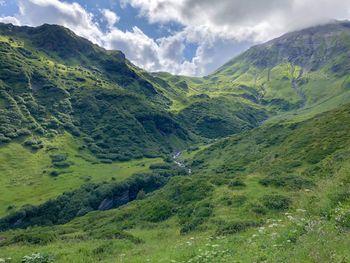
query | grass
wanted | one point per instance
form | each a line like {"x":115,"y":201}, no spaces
{"x":309,"y":230}
{"x":25,"y":175}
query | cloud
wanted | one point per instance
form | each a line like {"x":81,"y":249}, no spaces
{"x":71,"y":15}
{"x":10,"y":20}
{"x":217,"y":29}
{"x":165,"y":54}
{"x":110,"y":17}
{"x":254,"y":20}
{"x":138,"y":47}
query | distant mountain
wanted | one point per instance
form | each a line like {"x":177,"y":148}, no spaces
{"x":297,"y":70}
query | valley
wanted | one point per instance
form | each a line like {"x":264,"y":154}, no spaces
{"x":101,"y":161}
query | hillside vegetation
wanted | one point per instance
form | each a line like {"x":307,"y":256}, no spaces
{"x":102,"y":161}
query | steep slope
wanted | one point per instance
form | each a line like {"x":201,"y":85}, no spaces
{"x":110,"y":104}
{"x":66,"y":105}
{"x":299,"y":70}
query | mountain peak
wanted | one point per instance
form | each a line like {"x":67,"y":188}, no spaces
{"x":310,"y":48}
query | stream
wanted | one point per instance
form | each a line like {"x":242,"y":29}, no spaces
{"x":179,"y":162}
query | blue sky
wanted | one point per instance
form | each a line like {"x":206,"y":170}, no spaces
{"x":190,"y":37}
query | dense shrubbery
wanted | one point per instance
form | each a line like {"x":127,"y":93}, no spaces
{"x":36,"y":237}
{"x":192,"y":216}
{"x":236,"y":227}
{"x":236,"y":183}
{"x":33,"y":144}
{"x":292,"y":182}
{"x":38,"y":258}
{"x":59,"y":161}
{"x":276,"y":202}
{"x":203,"y":117}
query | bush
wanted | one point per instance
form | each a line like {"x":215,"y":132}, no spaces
{"x":54,"y":173}
{"x":259,"y":209}
{"x":159,"y":212}
{"x":33,"y":144}
{"x":193,"y":216}
{"x":38,"y":258}
{"x":61,"y":164}
{"x":58,"y":157}
{"x":33,"y":238}
{"x":236,"y":227}
{"x":342,"y":218}
{"x":236,"y":183}
{"x":288,"y":181}
{"x":160,"y":166}
{"x":276,"y":202}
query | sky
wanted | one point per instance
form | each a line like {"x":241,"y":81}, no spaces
{"x":187,"y":37}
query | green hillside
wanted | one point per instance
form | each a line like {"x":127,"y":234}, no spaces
{"x":102,"y":161}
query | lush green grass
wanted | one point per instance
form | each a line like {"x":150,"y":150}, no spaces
{"x":26,"y":179}
{"x":225,"y":214}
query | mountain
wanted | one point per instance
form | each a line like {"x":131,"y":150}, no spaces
{"x":102,"y":161}
{"x":294,"y":71}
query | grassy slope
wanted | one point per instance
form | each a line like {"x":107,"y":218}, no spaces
{"x":229,"y":221}
{"x":25,"y":175}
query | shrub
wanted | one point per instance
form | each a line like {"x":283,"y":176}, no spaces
{"x":276,"y":202}
{"x":34,"y":238}
{"x":160,"y":166}
{"x":58,"y":157}
{"x":236,"y":183}
{"x":259,"y":209}
{"x":288,"y":181}
{"x":342,"y":218}
{"x":33,"y":144}
{"x":38,"y":258}
{"x":236,"y":227}
{"x":61,"y":164}
{"x":238,"y":200}
{"x":193,"y":216}
{"x":191,"y":225}
{"x":54,"y":173}
{"x":159,"y":212}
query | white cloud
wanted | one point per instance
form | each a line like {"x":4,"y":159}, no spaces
{"x":243,"y":19}
{"x":110,"y":17}
{"x":219,"y":29}
{"x":138,"y":47}
{"x":71,"y":15}
{"x":10,"y":20}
